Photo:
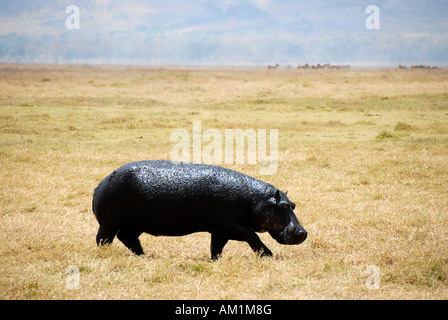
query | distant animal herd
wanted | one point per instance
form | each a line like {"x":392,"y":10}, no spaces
{"x":419,"y":66}
{"x":345,"y":66}
{"x":314,"y":66}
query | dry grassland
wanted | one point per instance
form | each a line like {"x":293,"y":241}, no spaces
{"x":363,"y":153}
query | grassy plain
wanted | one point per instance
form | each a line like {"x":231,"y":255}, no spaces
{"x":363,"y":153}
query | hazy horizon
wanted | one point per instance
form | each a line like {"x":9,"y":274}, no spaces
{"x":225,"y":33}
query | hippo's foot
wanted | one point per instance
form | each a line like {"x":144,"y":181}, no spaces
{"x":129,"y":237}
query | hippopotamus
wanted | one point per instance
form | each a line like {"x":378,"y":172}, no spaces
{"x":162,"y":197}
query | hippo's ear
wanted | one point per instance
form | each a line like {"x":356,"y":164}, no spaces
{"x":277,"y":195}
{"x":275,"y":198}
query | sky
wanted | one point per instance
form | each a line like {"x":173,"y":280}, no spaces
{"x":224,"y":32}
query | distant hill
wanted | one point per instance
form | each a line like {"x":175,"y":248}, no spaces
{"x":230,"y":32}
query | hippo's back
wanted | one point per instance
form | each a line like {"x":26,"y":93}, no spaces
{"x":181,"y":178}
{"x":174,"y":185}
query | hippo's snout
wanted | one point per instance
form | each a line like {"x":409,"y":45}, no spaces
{"x":299,"y":236}
{"x":292,"y":234}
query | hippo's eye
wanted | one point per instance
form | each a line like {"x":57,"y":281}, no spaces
{"x":286,"y":206}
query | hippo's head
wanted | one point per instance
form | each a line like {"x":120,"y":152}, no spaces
{"x":275,"y":214}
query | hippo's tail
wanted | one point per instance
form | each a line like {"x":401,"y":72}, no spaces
{"x":93,"y":201}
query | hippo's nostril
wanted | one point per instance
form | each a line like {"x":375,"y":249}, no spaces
{"x":302,"y":235}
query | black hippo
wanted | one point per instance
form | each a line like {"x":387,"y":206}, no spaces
{"x":160,"y":197}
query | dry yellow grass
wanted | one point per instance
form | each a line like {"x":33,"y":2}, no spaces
{"x":363,"y":153}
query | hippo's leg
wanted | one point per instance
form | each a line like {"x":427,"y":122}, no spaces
{"x":241,"y":233}
{"x":217,"y":244}
{"x":129,"y":237}
{"x":258,"y":246}
{"x":106,"y":234}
